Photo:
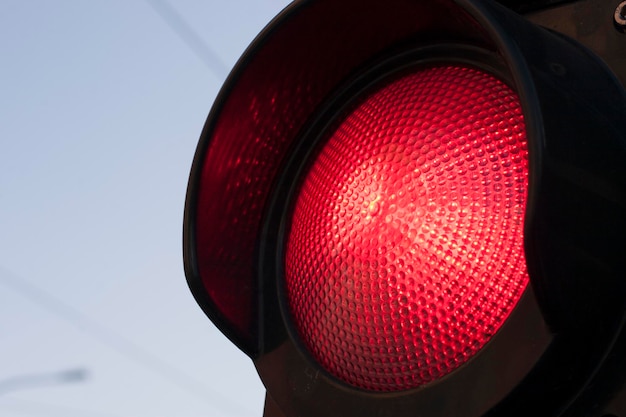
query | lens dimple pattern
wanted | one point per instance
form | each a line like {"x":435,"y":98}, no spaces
{"x":404,"y":253}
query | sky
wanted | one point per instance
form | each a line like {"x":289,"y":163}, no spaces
{"x":101,"y":108}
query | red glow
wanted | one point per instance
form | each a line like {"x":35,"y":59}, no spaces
{"x":405,"y":250}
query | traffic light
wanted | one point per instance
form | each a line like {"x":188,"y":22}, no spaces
{"x":418,"y":208}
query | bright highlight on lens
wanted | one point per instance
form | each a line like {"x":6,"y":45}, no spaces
{"x":404,"y":254}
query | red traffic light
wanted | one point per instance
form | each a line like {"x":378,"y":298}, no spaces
{"x":425,"y":175}
{"x":416,"y":207}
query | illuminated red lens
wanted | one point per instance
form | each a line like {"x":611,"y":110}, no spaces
{"x":404,"y":255}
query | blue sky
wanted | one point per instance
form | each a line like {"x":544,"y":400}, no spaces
{"x":101,"y":106}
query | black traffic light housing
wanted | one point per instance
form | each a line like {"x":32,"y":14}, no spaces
{"x":562,"y":350}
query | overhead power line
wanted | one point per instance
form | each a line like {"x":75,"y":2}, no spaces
{"x":178,"y":24}
{"x":120,"y":343}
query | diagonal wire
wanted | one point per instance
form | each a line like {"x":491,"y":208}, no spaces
{"x":120,"y":344}
{"x":178,"y":24}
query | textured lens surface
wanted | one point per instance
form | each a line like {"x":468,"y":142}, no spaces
{"x":404,"y":254}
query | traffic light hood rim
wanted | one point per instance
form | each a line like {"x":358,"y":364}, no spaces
{"x":478,"y":17}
